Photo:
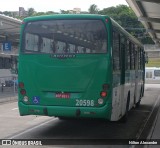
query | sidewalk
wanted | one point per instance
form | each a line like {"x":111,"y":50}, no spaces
{"x":155,"y":132}
{"x":8,"y":94}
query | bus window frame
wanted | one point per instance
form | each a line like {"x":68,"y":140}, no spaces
{"x":116,"y":68}
{"x":22,"y":47}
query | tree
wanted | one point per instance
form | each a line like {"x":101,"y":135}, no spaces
{"x":49,"y":12}
{"x":93,"y":9}
{"x":8,"y":13}
{"x":64,"y":12}
{"x":39,"y":13}
{"x":125,"y":16}
{"x":31,"y":11}
{"x":122,"y":14}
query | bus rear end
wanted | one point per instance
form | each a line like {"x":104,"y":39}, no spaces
{"x":64,"y":67}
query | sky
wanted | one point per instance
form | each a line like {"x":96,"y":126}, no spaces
{"x":57,"y":5}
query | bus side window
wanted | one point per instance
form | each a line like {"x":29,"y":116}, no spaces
{"x":1,"y":62}
{"x":88,"y":50}
{"x":148,"y":74}
{"x":139,"y":58}
{"x":40,"y":43}
{"x":123,"y":59}
{"x":31,"y":42}
{"x":132,"y":56}
{"x":127,"y":56}
{"x":116,"y":51}
{"x":72,"y":48}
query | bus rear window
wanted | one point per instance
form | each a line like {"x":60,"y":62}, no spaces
{"x":65,"y":36}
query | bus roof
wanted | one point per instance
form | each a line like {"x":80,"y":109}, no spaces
{"x":66,"y":16}
{"x":131,"y":37}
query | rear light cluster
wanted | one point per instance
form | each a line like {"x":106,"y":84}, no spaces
{"x":103,"y":93}
{"x":23,"y":92}
{"x":21,"y":85}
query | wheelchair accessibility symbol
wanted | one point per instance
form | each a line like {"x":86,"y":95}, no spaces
{"x":36,"y":100}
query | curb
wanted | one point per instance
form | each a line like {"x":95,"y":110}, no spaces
{"x":154,"y":123}
{"x":7,"y":99}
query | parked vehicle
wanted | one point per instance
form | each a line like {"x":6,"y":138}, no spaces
{"x":9,"y":83}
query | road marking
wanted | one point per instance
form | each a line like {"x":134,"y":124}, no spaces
{"x":14,"y":108}
{"x":30,"y":129}
{"x":154,"y":123}
{"x":143,"y":127}
{"x":138,"y":110}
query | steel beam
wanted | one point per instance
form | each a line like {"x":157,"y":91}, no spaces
{"x":149,"y":19}
{"x":151,"y":1}
{"x":153,"y":30}
{"x":156,"y":39}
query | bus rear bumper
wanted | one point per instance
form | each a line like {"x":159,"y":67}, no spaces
{"x":62,"y":111}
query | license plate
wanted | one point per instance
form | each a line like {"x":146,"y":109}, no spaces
{"x":63,"y":95}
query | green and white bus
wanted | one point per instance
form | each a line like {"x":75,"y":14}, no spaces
{"x":80,"y":66}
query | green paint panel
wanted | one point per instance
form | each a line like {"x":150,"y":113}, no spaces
{"x":81,"y":76}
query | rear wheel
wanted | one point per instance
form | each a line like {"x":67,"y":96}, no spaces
{"x":63,"y":118}
{"x":125,"y":117}
{"x":139,"y":101}
{"x":66,"y":118}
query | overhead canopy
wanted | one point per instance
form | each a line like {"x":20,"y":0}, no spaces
{"x":148,"y":12}
{"x":9,"y":29}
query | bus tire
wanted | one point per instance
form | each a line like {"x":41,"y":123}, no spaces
{"x":66,"y":118}
{"x":139,"y":101}
{"x":125,"y":117}
{"x":63,"y":118}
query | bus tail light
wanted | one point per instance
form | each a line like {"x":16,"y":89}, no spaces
{"x":103,"y":93}
{"x":23,"y":91}
{"x":21,"y":85}
{"x":106,"y":20}
{"x":105,"y":87}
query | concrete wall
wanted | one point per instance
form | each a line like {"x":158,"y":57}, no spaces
{"x":152,"y":51}
{"x":5,"y":73}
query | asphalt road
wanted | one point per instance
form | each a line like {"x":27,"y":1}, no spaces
{"x":13,"y":126}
